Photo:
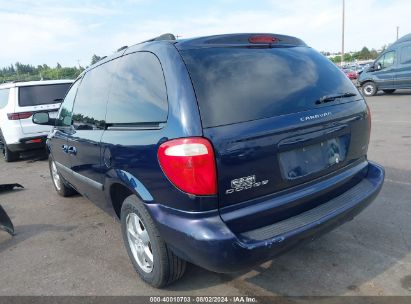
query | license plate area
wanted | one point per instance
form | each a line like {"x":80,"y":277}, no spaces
{"x":306,"y":160}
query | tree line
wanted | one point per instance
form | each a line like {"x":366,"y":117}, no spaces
{"x":28,"y":72}
{"x":364,"y":54}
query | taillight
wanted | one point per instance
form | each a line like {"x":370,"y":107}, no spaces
{"x":189,"y":163}
{"x":262,"y":39}
{"x":34,"y":141}
{"x":17,"y":116}
{"x":369,"y":122}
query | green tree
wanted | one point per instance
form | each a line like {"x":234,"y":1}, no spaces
{"x":95,"y":59}
{"x":336,"y":59}
{"x":364,"y":53}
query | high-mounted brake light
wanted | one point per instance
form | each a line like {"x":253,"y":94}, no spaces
{"x":189,"y":163}
{"x":17,"y":116}
{"x":263,"y":39}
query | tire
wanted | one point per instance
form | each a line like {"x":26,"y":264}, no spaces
{"x":61,"y":186}
{"x":369,"y":89}
{"x":390,"y":91}
{"x":8,"y":155}
{"x":158,"y":265}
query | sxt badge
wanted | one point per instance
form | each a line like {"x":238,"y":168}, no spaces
{"x":244,"y":183}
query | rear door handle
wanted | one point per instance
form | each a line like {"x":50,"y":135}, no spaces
{"x":72,"y":150}
{"x":65,"y":148}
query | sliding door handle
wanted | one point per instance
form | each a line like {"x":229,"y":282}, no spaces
{"x":72,"y":150}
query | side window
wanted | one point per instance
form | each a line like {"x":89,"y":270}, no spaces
{"x":138,"y":94}
{"x":66,"y":108}
{"x":4,"y":98}
{"x":387,"y":60}
{"x":406,"y":55}
{"x":90,"y":106}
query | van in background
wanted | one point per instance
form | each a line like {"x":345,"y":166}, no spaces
{"x":390,"y":71}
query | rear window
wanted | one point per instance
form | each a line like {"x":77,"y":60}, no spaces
{"x":234,"y":85}
{"x":4,"y":98}
{"x":42,"y":94}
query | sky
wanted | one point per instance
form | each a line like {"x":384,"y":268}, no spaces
{"x":70,"y":32}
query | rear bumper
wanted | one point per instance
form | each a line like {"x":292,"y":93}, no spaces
{"x":204,"y":239}
{"x":28,"y":143}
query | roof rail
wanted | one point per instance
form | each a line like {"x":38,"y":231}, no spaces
{"x":167,"y":36}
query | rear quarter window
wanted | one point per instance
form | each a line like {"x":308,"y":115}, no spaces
{"x":4,"y":97}
{"x":42,"y":94}
{"x":235,"y":85}
{"x":138,"y":94}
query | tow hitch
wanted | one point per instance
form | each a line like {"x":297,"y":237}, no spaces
{"x":5,"y":222}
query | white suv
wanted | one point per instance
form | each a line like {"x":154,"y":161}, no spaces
{"x":18,"y":102}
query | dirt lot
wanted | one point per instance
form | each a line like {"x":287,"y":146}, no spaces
{"x":67,"y":246}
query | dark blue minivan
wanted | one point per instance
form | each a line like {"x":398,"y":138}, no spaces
{"x":223,"y":151}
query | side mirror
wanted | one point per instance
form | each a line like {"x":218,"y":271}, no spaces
{"x":379,"y":66}
{"x":42,"y":118}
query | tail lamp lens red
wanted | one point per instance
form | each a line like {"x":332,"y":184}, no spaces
{"x":189,"y":163}
{"x":21,"y":115}
{"x":262,"y":39}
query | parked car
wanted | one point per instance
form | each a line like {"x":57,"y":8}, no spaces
{"x":223,"y":151}
{"x":390,"y":71}
{"x":351,"y":74}
{"x":18,"y":102}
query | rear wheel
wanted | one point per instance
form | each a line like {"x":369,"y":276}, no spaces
{"x":369,"y":88}
{"x":8,"y":155}
{"x":390,"y":91}
{"x":153,"y":260}
{"x":59,"y":183}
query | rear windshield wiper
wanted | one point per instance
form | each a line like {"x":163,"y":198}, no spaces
{"x":328,"y":98}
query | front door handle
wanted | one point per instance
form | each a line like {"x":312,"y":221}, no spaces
{"x":65,"y":148}
{"x":72,"y":150}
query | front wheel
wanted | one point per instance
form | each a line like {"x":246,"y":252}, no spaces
{"x":369,"y":88}
{"x":153,"y":260}
{"x":390,"y":91}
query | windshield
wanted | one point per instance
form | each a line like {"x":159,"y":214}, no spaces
{"x":241,"y":84}
{"x":42,"y":94}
